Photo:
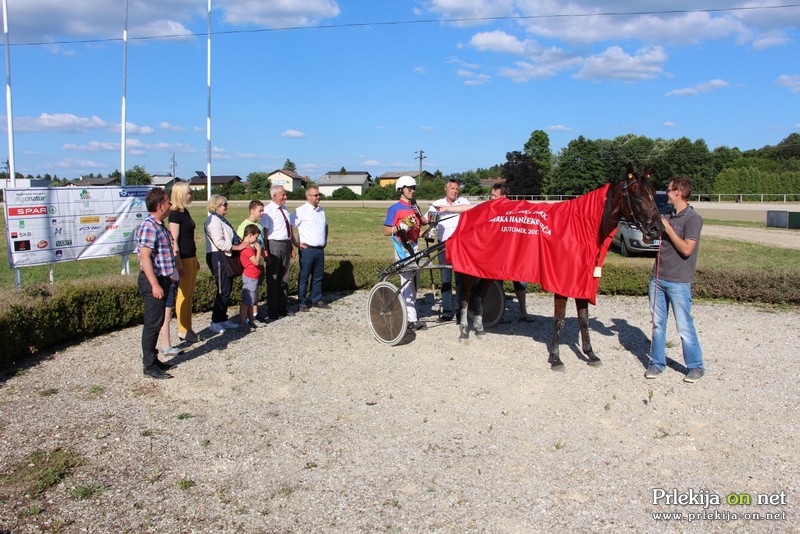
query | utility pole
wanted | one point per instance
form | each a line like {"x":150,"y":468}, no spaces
{"x":420,"y":156}
{"x":174,"y":165}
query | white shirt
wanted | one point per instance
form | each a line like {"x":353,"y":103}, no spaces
{"x":274,"y":223}
{"x":447,"y":221}
{"x":311,"y":224}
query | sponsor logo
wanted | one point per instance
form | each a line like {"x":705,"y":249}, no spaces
{"x":22,"y":246}
{"x":111,"y":219}
{"x":58,"y":231}
{"x":27,"y":210}
{"x":89,"y":220}
{"x":126,"y":234}
{"x":59,"y":254}
{"x":86,"y":195}
{"x":89,"y":228}
{"x":139,"y":215}
{"x":42,"y":244}
{"x":20,"y":235}
{"x":116,"y":249}
{"x":133,"y":193}
{"x":112,"y":227}
{"x":64,"y":242}
{"x":90,"y":238}
{"x":28,"y":198}
{"x":53,"y":210}
{"x":54,"y":222}
{"x":21,"y":223}
{"x":135,"y":203}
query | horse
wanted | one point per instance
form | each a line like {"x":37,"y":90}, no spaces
{"x":631,"y":197}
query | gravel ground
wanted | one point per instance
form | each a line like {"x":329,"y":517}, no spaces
{"x":309,"y":425}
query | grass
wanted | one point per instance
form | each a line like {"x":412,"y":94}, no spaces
{"x":357,"y":233}
{"x":81,"y":493}
{"x":185,"y":483}
{"x":38,"y":472}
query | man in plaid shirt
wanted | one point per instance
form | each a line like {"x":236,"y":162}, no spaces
{"x":157,"y":261}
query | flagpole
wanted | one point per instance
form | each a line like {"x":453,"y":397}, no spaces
{"x":208,"y":114}
{"x":9,"y":108}
{"x":124,"y":96}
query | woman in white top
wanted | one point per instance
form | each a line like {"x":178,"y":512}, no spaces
{"x":220,"y":239}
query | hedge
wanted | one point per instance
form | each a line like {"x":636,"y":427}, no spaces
{"x":32,"y":319}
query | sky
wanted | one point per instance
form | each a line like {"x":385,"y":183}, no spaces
{"x":369,"y":85}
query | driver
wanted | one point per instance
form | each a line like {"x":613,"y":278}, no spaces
{"x":402,"y":224}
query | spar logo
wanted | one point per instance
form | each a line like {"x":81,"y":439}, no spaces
{"x":23,"y":211}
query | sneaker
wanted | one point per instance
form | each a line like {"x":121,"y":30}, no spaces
{"x":652,"y":372}
{"x":693,"y":375}
{"x":446,"y":317}
{"x":263,"y":319}
{"x":303,"y":308}
{"x":230,"y":324}
{"x":417,"y":325}
{"x":321,"y":304}
{"x":217,"y":328}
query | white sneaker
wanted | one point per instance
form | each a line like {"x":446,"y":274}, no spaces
{"x":217,"y":328}
{"x":230,"y":324}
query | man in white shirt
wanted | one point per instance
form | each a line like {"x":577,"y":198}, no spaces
{"x":312,"y":230}
{"x":446,"y":225}
{"x":280,"y":242}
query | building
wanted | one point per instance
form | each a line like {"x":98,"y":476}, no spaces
{"x":201,"y":181}
{"x":357,"y":182}
{"x":290,"y":180}
{"x":389,"y":178}
{"x":165,"y":180}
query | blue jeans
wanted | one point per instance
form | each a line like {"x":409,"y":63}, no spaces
{"x":664,"y":294}
{"x":312,"y":264}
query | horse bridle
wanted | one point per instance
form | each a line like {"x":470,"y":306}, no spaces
{"x":634,"y":224}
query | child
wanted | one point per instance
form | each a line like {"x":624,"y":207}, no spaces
{"x":250,"y":258}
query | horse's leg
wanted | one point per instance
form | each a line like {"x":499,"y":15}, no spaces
{"x":463,"y":322}
{"x":480,"y":291}
{"x":559,"y":311}
{"x":583,"y":320}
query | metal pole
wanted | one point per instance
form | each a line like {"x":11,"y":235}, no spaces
{"x":208,"y":114}
{"x":124,"y":262}
{"x":12,"y":174}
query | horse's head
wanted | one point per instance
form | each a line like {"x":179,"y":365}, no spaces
{"x":633,"y":198}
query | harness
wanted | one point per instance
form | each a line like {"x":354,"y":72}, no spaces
{"x":632,"y":221}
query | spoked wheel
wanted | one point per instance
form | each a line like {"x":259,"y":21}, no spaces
{"x":494,"y":305}
{"x":386,"y":313}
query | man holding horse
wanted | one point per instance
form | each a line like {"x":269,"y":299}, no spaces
{"x":671,"y":283}
{"x":403,"y":222}
{"x":445,"y":226}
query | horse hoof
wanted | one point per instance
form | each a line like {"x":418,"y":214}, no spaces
{"x":595,"y":363}
{"x":480,"y":335}
{"x":557,"y":367}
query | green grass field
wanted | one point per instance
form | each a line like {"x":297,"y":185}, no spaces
{"x":357,"y":233}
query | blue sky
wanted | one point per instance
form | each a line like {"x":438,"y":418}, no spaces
{"x":366,"y":84}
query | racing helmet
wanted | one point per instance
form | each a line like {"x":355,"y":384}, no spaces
{"x":405,"y":181}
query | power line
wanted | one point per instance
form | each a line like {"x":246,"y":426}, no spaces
{"x":414,"y":22}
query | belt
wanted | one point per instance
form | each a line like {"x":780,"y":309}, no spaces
{"x":280,"y":240}
{"x":315,"y":247}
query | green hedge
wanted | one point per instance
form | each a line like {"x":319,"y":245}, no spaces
{"x":33,"y":319}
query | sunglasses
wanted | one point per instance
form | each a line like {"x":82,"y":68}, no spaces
{"x":225,"y":204}
{"x":412,"y":187}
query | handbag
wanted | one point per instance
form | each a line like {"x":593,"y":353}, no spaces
{"x":233,"y":264}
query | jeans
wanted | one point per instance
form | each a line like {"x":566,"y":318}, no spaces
{"x":312,"y":264}
{"x":662,"y":295}
{"x":219,"y":314}
{"x":153,"y":317}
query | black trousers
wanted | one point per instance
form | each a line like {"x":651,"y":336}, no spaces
{"x":280,"y":254}
{"x":219,"y":314}
{"x":153,"y":317}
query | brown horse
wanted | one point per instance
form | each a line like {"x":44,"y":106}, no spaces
{"x":632,"y":198}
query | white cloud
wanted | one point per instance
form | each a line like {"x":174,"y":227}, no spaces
{"x":525,"y":72}
{"x":791,"y":81}
{"x":669,"y":124}
{"x":278,"y":13}
{"x":293,"y":134}
{"x":164,"y":125}
{"x":72,"y":163}
{"x":700,"y":88}
{"x":771,"y":40}
{"x":497,"y":41}
{"x":371,"y":163}
{"x":471,"y":9}
{"x":134,"y":146}
{"x":58,"y":122}
{"x":133,"y":129}
{"x":427,"y":128}
{"x":420,"y":70}
{"x":559,"y":128}
{"x":616,"y":64}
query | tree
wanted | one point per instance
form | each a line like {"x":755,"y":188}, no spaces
{"x":374,"y":192}
{"x":538,"y":149}
{"x":579,"y":168}
{"x":289,"y":165}
{"x":137,"y":176}
{"x":342,"y":170}
{"x":258,"y":183}
{"x":521,"y":174}
{"x":344,"y":193}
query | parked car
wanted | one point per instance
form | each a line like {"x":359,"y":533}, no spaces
{"x":630,"y":240}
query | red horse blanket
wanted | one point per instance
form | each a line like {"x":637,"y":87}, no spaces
{"x":555,"y":245}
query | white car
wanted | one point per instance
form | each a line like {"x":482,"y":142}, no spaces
{"x":630,"y":240}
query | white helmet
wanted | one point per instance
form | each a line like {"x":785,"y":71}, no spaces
{"x":405,"y":181}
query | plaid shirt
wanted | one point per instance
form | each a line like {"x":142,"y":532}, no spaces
{"x":153,"y":235}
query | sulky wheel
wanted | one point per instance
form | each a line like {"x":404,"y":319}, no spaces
{"x":494,"y":305}
{"x":386,"y":313}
